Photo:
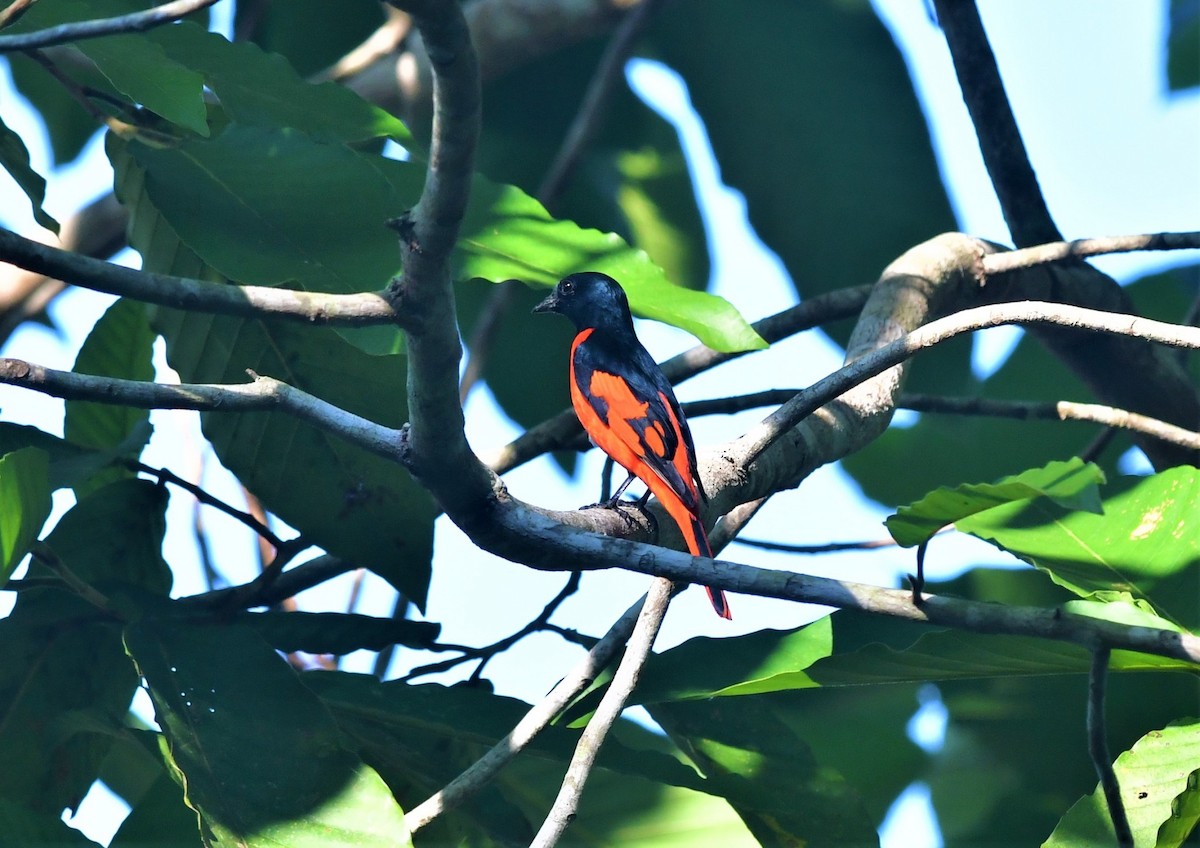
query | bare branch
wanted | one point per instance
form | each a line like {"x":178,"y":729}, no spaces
{"x":1013,"y":260}
{"x":80,"y":30}
{"x":435,"y":447}
{"x":607,"y":712}
{"x":263,"y":394}
{"x":343,"y":310}
{"x":754,"y":442}
{"x":539,"y":716}
{"x":1063,"y":410}
{"x":1029,"y":220}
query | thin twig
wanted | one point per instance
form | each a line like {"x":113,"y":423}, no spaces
{"x":80,"y":30}
{"x":383,"y":659}
{"x":595,"y":102}
{"x":304,"y":576}
{"x":164,"y":475}
{"x":1015,"y":260}
{"x":1098,"y":746}
{"x":1029,"y":220}
{"x":1063,"y":410}
{"x":381,"y":43}
{"x":607,"y":712}
{"x":13,"y":11}
{"x":485,"y":654}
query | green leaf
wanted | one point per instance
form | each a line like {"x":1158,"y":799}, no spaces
{"x":22,"y":826}
{"x":273,"y":207}
{"x":312,"y":34}
{"x":160,"y":818}
{"x":25,"y":493}
{"x":139,"y":69}
{"x":766,"y":661}
{"x":779,"y":789}
{"x":631,"y":179}
{"x":844,"y":79}
{"x":1149,"y":531}
{"x":509,"y":235}
{"x":337,"y":633}
{"x":119,"y":345}
{"x":15,"y":158}
{"x":1158,"y":779}
{"x":116,"y":534}
{"x":1183,"y":45}
{"x":65,"y":673}
{"x":1072,"y":485}
{"x":351,"y":503}
{"x":70,"y":465}
{"x":262,"y":89}
{"x":260,"y":757}
{"x":994,"y":781}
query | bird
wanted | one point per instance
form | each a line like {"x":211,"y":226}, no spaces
{"x":627,"y":406}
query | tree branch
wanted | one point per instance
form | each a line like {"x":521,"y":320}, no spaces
{"x":434,"y":446}
{"x":607,"y":712}
{"x":1029,"y":220}
{"x":1063,"y":410}
{"x":1098,"y":746}
{"x":135,"y":22}
{"x":342,"y":310}
{"x":1058,"y":251}
{"x":539,"y":716}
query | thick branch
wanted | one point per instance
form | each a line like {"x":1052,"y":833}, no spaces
{"x":435,"y":447}
{"x":135,"y":22}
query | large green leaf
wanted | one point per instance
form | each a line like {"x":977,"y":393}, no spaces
{"x":139,"y":69}
{"x":14,"y":156}
{"x":65,"y":674}
{"x":70,"y":464}
{"x":22,"y":826}
{"x":349,"y":502}
{"x":509,"y":235}
{"x":312,"y":34}
{"x":1183,"y":45}
{"x":263,"y":89}
{"x":260,"y":757}
{"x":1071,"y":484}
{"x":1156,"y":775}
{"x":119,"y":345}
{"x":419,"y":737}
{"x":768,"y":773}
{"x":631,"y":179}
{"x":812,"y":116}
{"x":1149,"y":530}
{"x":25,"y":493}
{"x":337,"y":633}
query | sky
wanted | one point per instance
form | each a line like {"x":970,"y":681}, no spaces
{"x":1101,"y":175}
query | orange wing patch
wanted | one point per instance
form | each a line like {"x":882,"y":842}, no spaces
{"x":623,"y":408}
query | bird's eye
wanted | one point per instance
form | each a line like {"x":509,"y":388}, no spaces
{"x":568,"y":286}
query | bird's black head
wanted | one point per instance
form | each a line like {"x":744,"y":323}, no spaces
{"x":590,"y":299}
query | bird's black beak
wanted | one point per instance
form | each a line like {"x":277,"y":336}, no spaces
{"x":550,"y":304}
